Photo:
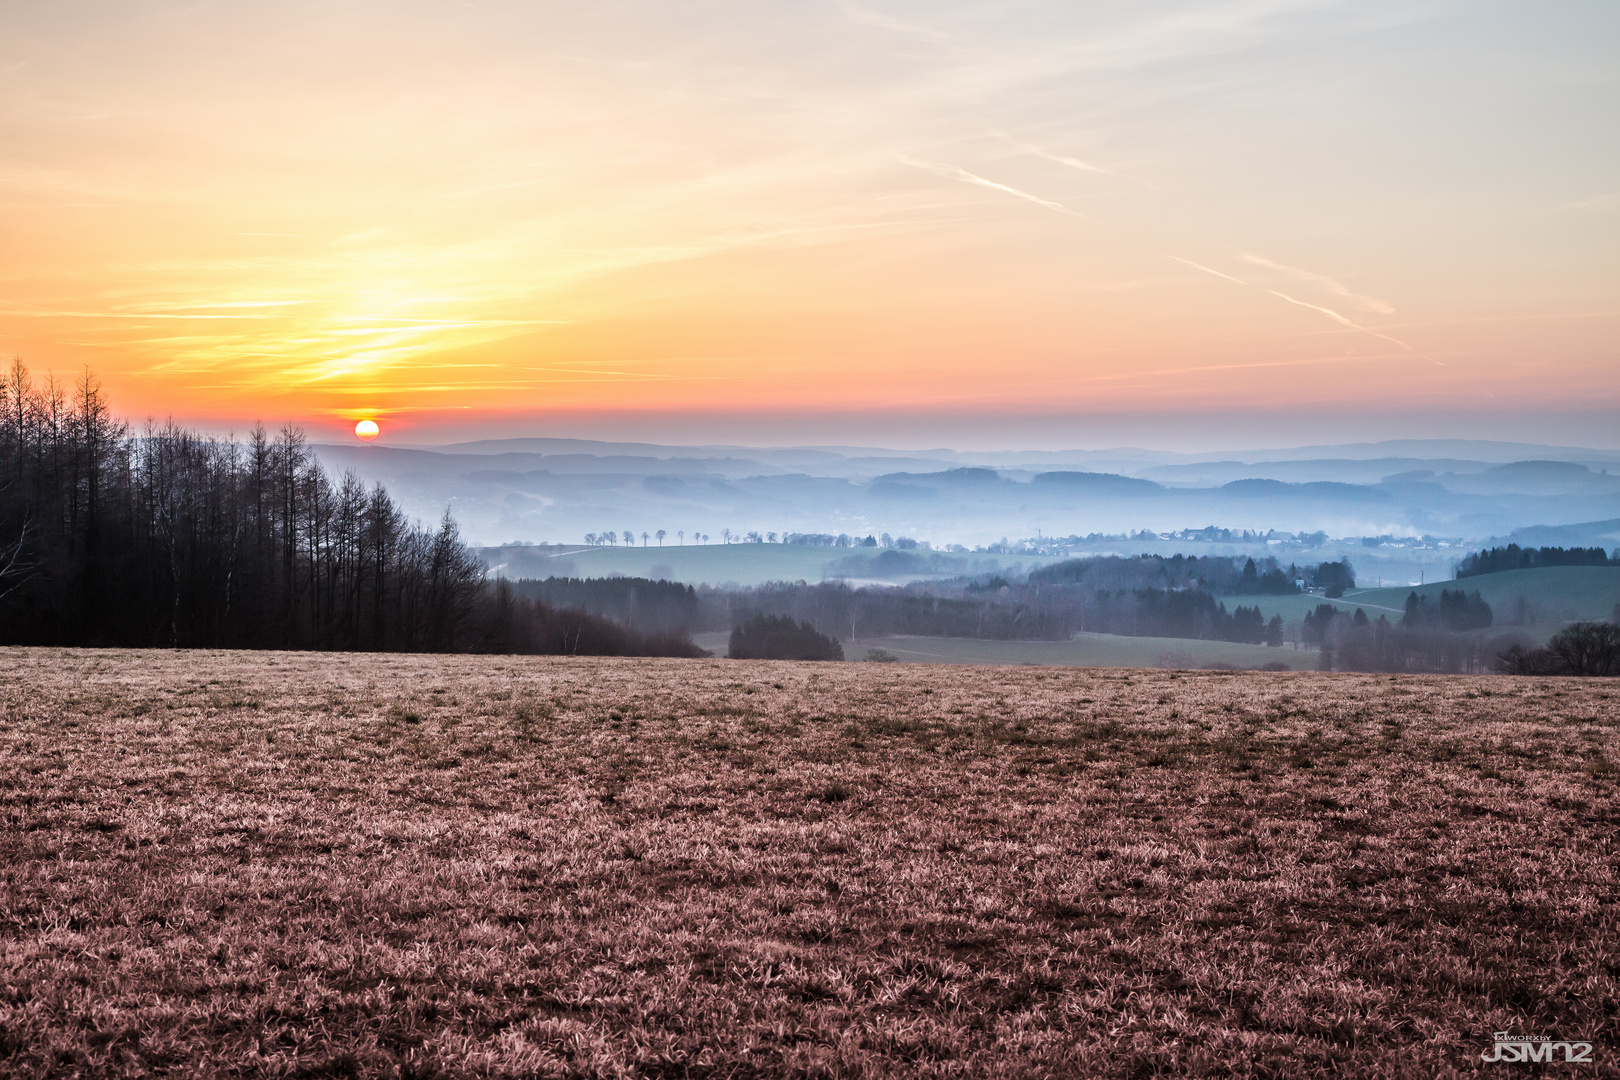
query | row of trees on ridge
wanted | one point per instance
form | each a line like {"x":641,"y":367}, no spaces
{"x":163,"y":537}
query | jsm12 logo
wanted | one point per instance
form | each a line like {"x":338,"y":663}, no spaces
{"x":1536,"y":1048}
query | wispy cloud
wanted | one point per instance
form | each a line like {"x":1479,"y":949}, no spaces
{"x":1597,"y":204}
{"x":881,"y":21}
{"x":1366,"y":303}
{"x":952,"y":172}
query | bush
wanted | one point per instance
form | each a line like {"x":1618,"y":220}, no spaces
{"x":777,"y":637}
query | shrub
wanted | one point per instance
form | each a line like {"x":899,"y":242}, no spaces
{"x":777,"y":637}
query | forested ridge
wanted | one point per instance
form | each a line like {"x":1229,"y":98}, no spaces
{"x":163,"y":537}
{"x":1497,"y":560}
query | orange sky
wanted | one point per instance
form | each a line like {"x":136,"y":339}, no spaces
{"x":447,"y":216}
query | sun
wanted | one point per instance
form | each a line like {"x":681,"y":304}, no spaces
{"x":367,"y":430}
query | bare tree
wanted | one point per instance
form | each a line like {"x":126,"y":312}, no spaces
{"x":1587,"y":648}
{"x":15,"y":567}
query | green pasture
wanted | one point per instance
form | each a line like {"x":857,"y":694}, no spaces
{"x":747,"y":564}
{"x":1086,"y":650}
{"x":1551,"y":595}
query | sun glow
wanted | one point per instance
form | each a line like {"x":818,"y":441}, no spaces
{"x":367,"y":430}
{"x":428,"y":224}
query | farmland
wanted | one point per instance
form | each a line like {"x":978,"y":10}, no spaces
{"x":1083,"y":650}
{"x":747,"y":565}
{"x":1550,"y":596}
{"x":301,"y":864}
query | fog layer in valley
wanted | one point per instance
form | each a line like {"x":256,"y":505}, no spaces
{"x":1383,"y":498}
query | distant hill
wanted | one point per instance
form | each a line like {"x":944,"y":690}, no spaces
{"x":1584,"y":534}
{"x":561,"y":490}
{"x":1098,"y":483}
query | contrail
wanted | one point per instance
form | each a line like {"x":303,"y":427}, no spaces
{"x":951,"y":172}
{"x":1370,"y":303}
{"x":1336,"y":317}
{"x":1207,"y":270}
{"x":1073,"y":163}
{"x":1329,"y":312}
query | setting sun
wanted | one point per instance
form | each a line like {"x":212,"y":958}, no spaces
{"x":367,"y":430}
{"x":1133,"y":213}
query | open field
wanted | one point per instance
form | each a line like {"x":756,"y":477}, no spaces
{"x":319,"y":865}
{"x":1555,"y":594}
{"x":741,"y":564}
{"x":1085,"y":650}
{"x":1564,"y":593}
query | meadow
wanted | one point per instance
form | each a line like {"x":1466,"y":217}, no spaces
{"x":1552,"y":596}
{"x":741,"y":565}
{"x":1082,"y":650}
{"x":264,"y":864}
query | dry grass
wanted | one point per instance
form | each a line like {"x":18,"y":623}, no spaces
{"x":331,"y":865}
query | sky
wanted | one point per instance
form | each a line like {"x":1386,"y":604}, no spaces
{"x":1008,"y":225}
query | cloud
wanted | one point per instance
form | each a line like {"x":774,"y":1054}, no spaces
{"x":952,"y":172}
{"x":1597,"y":204}
{"x":1366,"y":303}
{"x":881,"y":21}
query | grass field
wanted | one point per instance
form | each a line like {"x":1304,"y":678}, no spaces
{"x":325,"y":865}
{"x":1556,"y":594}
{"x":1085,"y":650}
{"x":737,"y":564}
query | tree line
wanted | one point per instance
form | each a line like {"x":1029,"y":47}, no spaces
{"x":164,"y":537}
{"x":655,"y":607}
{"x":1451,"y":610}
{"x":1217,"y":574}
{"x":1354,"y":642}
{"x":1144,"y":596}
{"x":1584,"y":648}
{"x":1512,"y":557}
